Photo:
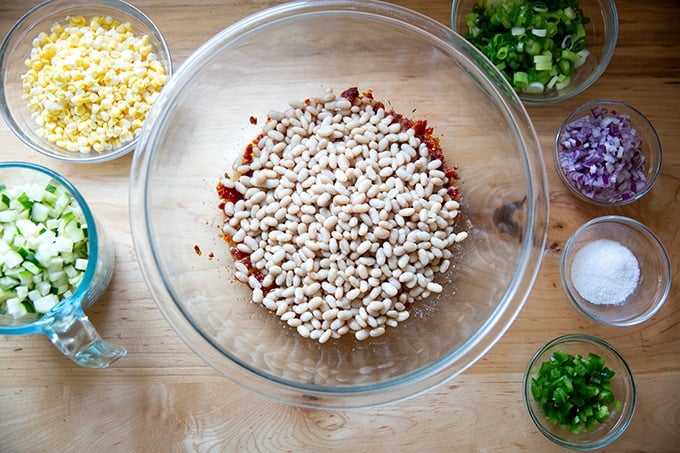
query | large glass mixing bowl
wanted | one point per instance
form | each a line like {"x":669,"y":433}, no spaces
{"x":202,"y":123}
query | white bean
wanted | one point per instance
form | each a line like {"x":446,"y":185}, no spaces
{"x":342,"y":206}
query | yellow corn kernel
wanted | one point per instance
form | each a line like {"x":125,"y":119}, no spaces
{"x":81,"y":94}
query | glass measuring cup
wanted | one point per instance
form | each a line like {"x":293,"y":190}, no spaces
{"x":66,"y":324}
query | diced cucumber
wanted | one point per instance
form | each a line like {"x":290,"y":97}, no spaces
{"x":74,"y":231}
{"x":43,"y":247}
{"x":15,"y":308}
{"x":8,"y":283}
{"x":26,"y":277}
{"x":11,"y":259}
{"x":45,"y":303}
{"x":43,"y":287}
{"x":39,"y":212}
{"x":21,"y":292}
{"x":8,"y":215}
{"x":64,"y":244}
{"x":31,"y":267}
{"x":27,"y":227}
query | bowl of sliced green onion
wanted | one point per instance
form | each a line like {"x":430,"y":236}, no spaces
{"x":547,"y":50}
{"x":580,"y":392}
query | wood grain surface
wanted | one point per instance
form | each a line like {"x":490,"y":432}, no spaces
{"x":162,"y":397}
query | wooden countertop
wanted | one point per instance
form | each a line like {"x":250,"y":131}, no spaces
{"x":162,"y":397}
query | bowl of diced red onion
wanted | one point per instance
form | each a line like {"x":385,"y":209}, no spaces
{"x":338,"y":203}
{"x":616,"y":271}
{"x":607,"y":153}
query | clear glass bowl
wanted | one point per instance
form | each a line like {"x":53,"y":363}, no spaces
{"x":202,"y":123}
{"x":650,"y":146}
{"x":623,"y":388}
{"x":17,"y":46}
{"x":601,"y":32}
{"x":653,"y":285}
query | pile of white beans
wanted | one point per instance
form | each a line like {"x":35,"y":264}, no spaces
{"x":345,"y":214}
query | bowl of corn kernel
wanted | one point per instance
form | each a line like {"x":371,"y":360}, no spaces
{"x":78,"y":78}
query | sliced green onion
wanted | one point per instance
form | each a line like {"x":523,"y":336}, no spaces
{"x":582,"y":57}
{"x":560,"y":85}
{"x":521,"y":80}
{"x":565,"y":66}
{"x":535,"y":87}
{"x":511,"y":33}
{"x":543,"y":62}
{"x":502,"y":53}
{"x":533,"y":47}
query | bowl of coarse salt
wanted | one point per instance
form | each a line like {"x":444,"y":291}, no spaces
{"x":616,"y":271}
{"x":78,"y":78}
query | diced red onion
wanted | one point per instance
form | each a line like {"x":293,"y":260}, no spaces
{"x":602,"y":156}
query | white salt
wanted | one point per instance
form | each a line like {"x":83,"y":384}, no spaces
{"x":605,"y":272}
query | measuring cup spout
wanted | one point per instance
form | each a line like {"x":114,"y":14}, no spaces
{"x":75,"y":336}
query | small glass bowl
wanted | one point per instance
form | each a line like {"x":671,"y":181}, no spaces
{"x":601,"y":33}
{"x":653,"y":285}
{"x":623,"y":388}
{"x":16,"y":48}
{"x":650,"y":146}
